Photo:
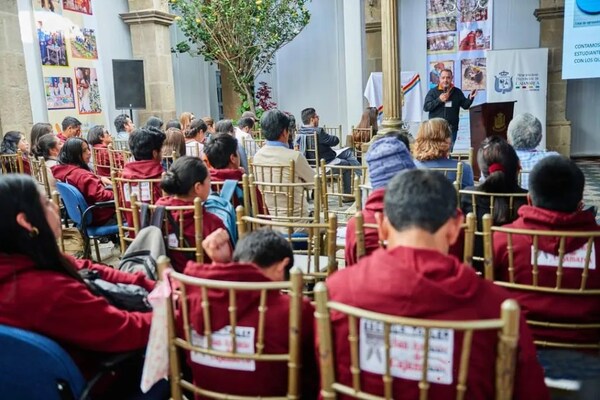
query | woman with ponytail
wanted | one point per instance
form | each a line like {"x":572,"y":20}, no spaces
{"x":187,"y":179}
{"x":41,"y":290}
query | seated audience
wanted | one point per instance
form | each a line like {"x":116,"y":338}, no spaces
{"x":49,"y":147}
{"x":99,"y":138}
{"x":155,"y":122}
{"x":368,"y":119}
{"x":174,"y":142}
{"x":291,"y":129}
{"x":325,"y":142}
{"x":432,"y":150}
{"x":37,"y":131}
{"x":261,"y":256}
{"x":145,"y":146}
{"x":14,"y":141}
{"x":276,"y":152}
{"x":414,"y":277}
{"x":386,"y":157}
{"x":224,"y":160}
{"x":243,"y":134}
{"x":72,"y":168}
{"x":525,"y":134}
{"x":556,"y":204}
{"x":44,"y":293}
{"x":185,"y":119}
{"x":210,"y":126}
{"x":226,"y":126}
{"x":173,"y":123}
{"x":187,"y":179}
{"x":124,"y":126}
{"x":71,"y":127}
{"x":195,"y":137}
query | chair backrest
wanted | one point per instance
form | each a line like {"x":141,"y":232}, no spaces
{"x":177,"y":242}
{"x":252,"y":145}
{"x":120,"y":144}
{"x":117,"y":158}
{"x":316,"y":260}
{"x":56,"y":200}
{"x":228,"y":343}
{"x":523,"y":178}
{"x":101,"y":161}
{"x":332,"y":183}
{"x":564,"y":265}
{"x":464,"y":156}
{"x":192,"y":148}
{"x":123,"y":189}
{"x":385,"y":334}
{"x":12,"y":163}
{"x":74,"y":203}
{"x":361,"y":136}
{"x":457,"y":172}
{"x":308,"y":145}
{"x":33,"y":366}
{"x":273,"y":173}
{"x":169,"y":159}
{"x":335,"y":131}
{"x":39,"y":172}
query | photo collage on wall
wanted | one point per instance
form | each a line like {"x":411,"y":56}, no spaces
{"x":458,"y":34}
{"x":66,"y":33}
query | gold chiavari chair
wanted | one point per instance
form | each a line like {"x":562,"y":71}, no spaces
{"x":361,"y":136}
{"x":308,"y":144}
{"x":120,"y":144}
{"x":169,"y":159}
{"x":56,"y":200}
{"x":456,"y":173}
{"x":466,"y":156}
{"x":12,"y":163}
{"x":101,"y":161}
{"x":386,"y":337}
{"x":118,"y":158}
{"x":332,"y":182}
{"x":273,"y":173}
{"x":178,"y":241}
{"x":335,"y":131}
{"x":224,"y":343}
{"x":39,"y":172}
{"x":561,"y":280}
{"x":145,"y":191}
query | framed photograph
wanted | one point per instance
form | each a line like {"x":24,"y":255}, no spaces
{"x":442,"y":8}
{"x":436,"y":68}
{"x":59,"y":93}
{"x":475,"y":38}
{"x":473,"y":10}
{"x":83,"y":43}
{"x":80,"y":6}
{"x":53,"y":48}
{"x":442,"y":43}
{"x":474,"y":73}
{"x":442,"y":24}
{"x":54,"y":6}
{"x":88,"y":93}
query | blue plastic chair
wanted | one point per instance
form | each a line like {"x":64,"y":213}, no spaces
{"x":81,"y":214}
{"x":35,"y":367}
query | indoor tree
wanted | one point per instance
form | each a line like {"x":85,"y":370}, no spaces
{"x":240,"y":35}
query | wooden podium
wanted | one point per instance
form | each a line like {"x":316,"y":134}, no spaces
{"x":488,"y":119}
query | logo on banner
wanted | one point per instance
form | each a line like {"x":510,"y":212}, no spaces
{"x":503,"y":83}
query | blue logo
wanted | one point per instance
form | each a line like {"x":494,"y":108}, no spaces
{"x":503,"y":83}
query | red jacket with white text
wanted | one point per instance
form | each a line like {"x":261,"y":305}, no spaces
{"x":145,"y":169}
{"x":548,"y":306}
{"x":260,"y":378}
{"x":91,"y":188}
{"x":427,"y":284}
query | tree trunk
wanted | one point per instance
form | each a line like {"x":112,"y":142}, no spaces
{"x":231,"y":99}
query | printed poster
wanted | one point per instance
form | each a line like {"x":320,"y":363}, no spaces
{"x":458,"y":34}
{"x":66,"y":32}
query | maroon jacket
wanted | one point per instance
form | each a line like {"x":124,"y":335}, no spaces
{"x":91,"y":188}
{"x":374,"y":205}
{"x":102,"y":160}
{"x":62,"y":308}
{"x":145,"y":169}
{"x":220,"y":175}
{"x":268,"y":378}
{"x":428,"y":284}
{"x":547,"y":306}
{"x":210,"y":223}
{"x":61,"y":137}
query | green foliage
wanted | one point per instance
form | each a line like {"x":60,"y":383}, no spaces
{"x":240,"y":35}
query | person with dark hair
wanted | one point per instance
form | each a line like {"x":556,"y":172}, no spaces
{"x":71,"y":127}
{"x":387,"y":156}
{"x":73,"y":169}
{"x":226,"y":126}
{"x":99,"y":138}
{"x":187,"y":179}
{"x":14,"y":141}
{"x":173,"y":123}
{"x":195,"y":137}
{"x":154,"y":122}
{"x":43,"y":292}
{"x":525,"y":134}
{"x":291,"y":129}
{"x":210,"y":125}
{"x":124,"y":126}
{"x":555,"y":204}
{"x":49,"y":147}
{"x":174,"y":142}
{"x":445,"y":100}
{"x":243,"y":134}
{"x":415,"y":277}
{"x":221,"y":152}
{"x":37,"y":131}
{"x":260,"y":256}
{"x":275,"y":127}
{"x":325,"y":142}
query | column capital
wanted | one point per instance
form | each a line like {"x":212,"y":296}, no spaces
{"x":148,"y":17}
{"x":549,"y":13}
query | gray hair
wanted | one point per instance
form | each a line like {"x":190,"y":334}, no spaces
{"x":525,"y":131}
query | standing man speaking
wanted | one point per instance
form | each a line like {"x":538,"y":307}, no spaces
{"x":444,"y":101}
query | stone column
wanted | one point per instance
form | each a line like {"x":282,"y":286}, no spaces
{"x":558,"y":128}
{"x":149,"y":22}
{"x":392,"y":87}
{"x":15,"y":103}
